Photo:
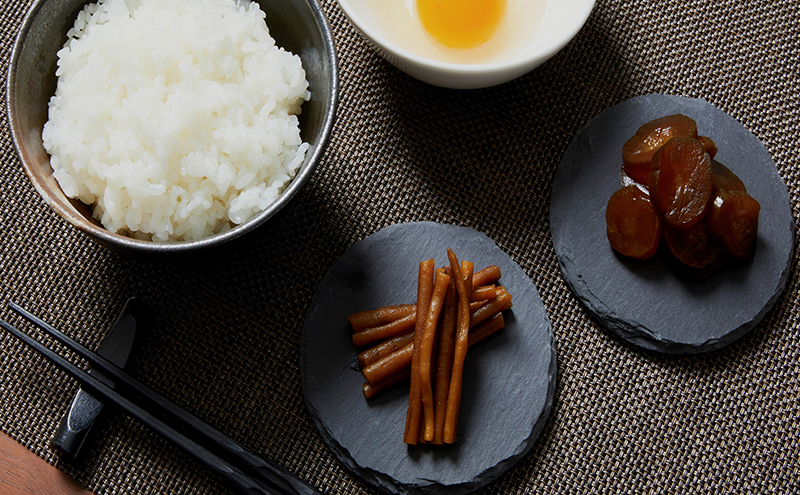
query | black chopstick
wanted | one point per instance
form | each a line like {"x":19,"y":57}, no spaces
{"x":234,"y":476}
{"x":243,"y":457}
{"x":241,"y":467}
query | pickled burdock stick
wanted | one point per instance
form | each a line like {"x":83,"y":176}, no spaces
{"x":440,"y":284}
{"x":375,"y":334}
{"x":467,"y":271}
{"x":483,"y":293}
{"x":387,"y":314}
{"x":379,"y":316}
{"x":476,"y":305}
{"x":488,"y":275}
{"x":486,"y":328}
{"x":477,"y":334}
{"x":369,"y":356}
{"x":371,"y":391}
{"x":460,"y":352}
{"x":424,"y":292}
{"x":444,"y":362}
{"x":389,"y":365}
{"x":402,"y":356}
{"x":495,"y":305}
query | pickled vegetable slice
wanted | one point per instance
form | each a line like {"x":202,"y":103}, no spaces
{"x":723,"y":178}
{"x":680,"y":182}
{"x":711,"y":146}
{"x":733,"y":222}
{"x":638,"y":151}
{"x":632,"y":226}
{"x":693,"y":246}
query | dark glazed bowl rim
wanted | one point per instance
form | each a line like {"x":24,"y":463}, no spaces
{"x":128,"y":245}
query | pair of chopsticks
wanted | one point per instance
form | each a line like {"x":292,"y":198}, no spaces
{"x":240,"y":467}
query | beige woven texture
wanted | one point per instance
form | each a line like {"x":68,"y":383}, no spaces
{"x":624,"y":421}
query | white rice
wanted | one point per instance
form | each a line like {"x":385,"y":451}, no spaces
{"x":176,"y":119}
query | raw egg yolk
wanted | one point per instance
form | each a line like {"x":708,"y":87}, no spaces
{"x":461,"y":23}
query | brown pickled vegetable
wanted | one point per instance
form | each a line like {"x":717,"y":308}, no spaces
{"x":365,"y":358}
{"x":632,"y":226}
{"x":387,"y":314}
{"x":440,"y":284}
{"x":369,"y":356}
{"x":476,"y":305}
{"x":479,"y":333}
{"x":499,"y":303}
{"x":486,"y":328}
{"x":467,"y":270}
{"x":444,"y":361}
{"x":424,"y":293}
{"x":459,"y":354}
{"x":374,"y":334}
{"x":389,"y":365}
{"x":380,"y":316}
{"x":391,"y":362}
{"x":723,"y":178}
{"x":488,"y":275}
{"x":733,"y":222}
{"x":697,"y":207}
{"x":430,"y":356}
{"x":483,"y":293}
{"x":371,"y":390}
{"x":680,"y":182}
{"x":709,"y":145}
{"x":694,"y":246}
{"x":638,"y":151}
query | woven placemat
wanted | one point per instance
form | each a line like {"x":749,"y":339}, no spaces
{"x":624,"y":421}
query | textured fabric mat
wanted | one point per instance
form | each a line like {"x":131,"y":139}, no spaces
{"x":624,"y":421}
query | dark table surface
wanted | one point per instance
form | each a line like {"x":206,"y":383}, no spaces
{"x":226,"y":343}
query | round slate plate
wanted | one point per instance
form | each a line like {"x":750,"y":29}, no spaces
{"x":509,"y":378}
{"x":653,"y":304}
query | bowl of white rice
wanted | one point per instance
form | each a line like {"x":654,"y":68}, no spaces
{"x":171,"y":126}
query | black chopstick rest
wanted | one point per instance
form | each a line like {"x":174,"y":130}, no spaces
{"x":133,"y":322}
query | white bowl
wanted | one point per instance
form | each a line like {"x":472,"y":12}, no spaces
{"x":560,"y":22}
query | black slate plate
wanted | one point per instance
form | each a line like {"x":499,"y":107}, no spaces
{"x":653,"y":304}
{"x":509,"y":378}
